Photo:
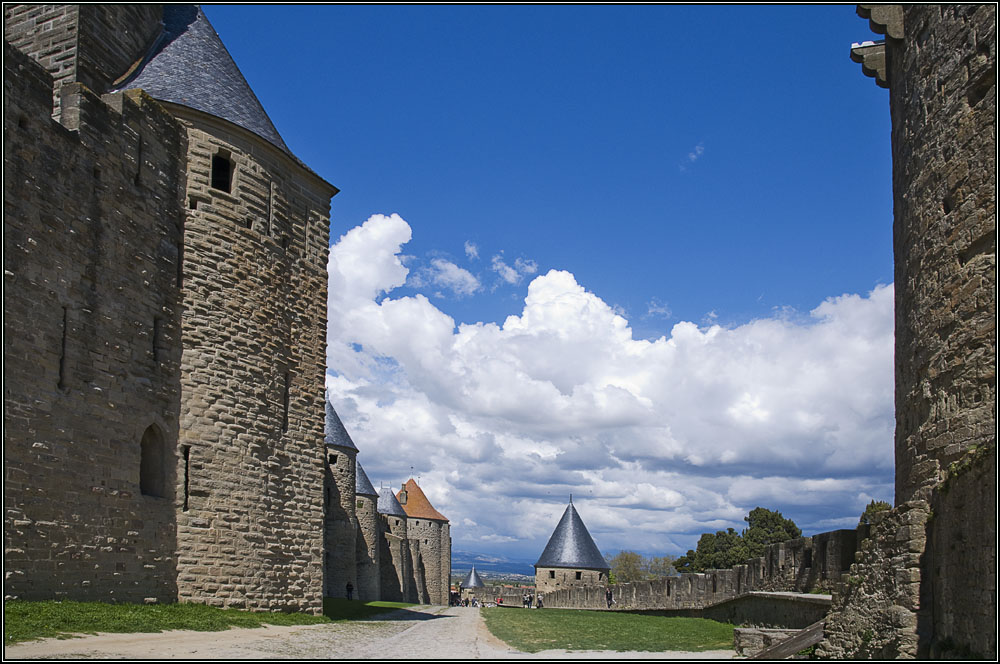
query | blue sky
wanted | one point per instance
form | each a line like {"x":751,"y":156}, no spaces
{"x":640,"y":253}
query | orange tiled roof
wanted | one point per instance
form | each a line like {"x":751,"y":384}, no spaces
{"x":417,"y":505}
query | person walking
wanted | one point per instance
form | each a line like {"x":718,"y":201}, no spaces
{"x":610,"y":597}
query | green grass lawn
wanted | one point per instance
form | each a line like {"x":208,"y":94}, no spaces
{"x":533,"y":630}
{"x":33,"y":620}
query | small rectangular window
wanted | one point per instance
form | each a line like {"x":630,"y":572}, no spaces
{"x":579,"y":575}
{"x":552,"y":574}
{"x":222,"y":172}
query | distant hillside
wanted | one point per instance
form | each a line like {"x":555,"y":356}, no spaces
{"x":490,"y":565}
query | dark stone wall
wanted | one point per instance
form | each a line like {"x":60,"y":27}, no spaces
{"x":942,"y":96}
{"x":924,"y":584}
{"x":92,"y":350}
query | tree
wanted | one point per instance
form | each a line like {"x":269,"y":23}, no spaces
{"x":726,"y":548}
{"x":873,"y":507}
{"x":659,"y":567}
{"x":626,"y":566}
{"x":767,"y":527}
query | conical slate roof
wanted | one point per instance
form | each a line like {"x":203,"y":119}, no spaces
{"x":387,"y":503}
{"x":362,"y":485}
{"x":472,"y":580}
{"x":571,"y":545}
{"x":189,"y":65}
{"x":416,"y":505}
{"x":334,"y":430}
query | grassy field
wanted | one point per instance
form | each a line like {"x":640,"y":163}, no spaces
{"x":33,"y":620}
{"x":545,"y":629}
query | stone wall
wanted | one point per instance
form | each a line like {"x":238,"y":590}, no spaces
{"x":92,"y":349}
{"x":395,"y":566}
{"x":925,"y":581}
{"x":91,"y":44}
{"x":806,"y":564}
{"x":341,"y":521}
{"x":252,"y":418}
{"x":551,"y":579}
{"x":429,"y":533}
{"x":367,"y":548}
{"x":942,"y":78}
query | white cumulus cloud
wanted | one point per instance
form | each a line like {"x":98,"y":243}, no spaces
{"x":657,"y":440}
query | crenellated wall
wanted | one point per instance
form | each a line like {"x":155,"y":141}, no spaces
{"x":803,"y":565}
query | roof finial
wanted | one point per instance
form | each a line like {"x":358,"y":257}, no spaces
{"x":570,"y":499}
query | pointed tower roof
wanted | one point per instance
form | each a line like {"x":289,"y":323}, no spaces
{"x":363,"y":485}
{"x":417,"y":505}
{"x":571,"y":545}
{"x":190,"y":66}
{"x":387,"y":503}
{"x":334,"y":431}
{"x":472,"y":580}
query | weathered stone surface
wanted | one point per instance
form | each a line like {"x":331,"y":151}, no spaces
{"x":925,"y":581}
{"x":92,"y":354}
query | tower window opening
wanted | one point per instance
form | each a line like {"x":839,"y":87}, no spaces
{"x":222,"y":172}
{"x":579,"y":575}
{"x":187,"y":475}
{"x":157,"y":334}
{"x":152,"y":469}
{"x":552,"y":574}
{"x":62,"y":350}
{"x":333,"y":459}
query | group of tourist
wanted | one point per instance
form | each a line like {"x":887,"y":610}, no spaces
{"x":527,"y":600}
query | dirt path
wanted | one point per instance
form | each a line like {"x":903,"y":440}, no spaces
{"x":426,"y":632}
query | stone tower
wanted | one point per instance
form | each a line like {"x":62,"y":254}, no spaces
{"x":571,"y":558}
{"x":472,"y":585}
{"x":430,"y":530}
{"x":167,"y":264}
{"x":395,"y":563}
{"x":926,"y":578}
{"x":367,"y":538}
{"x":341,"y":520}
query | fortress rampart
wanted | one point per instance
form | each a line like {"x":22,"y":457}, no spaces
{"x":806,"y":564}
{"x":92,"y":353}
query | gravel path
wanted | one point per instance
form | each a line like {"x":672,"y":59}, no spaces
{"x":425,"y":632}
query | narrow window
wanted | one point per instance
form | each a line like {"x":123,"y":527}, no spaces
{"x":152,"y":476}
{"x":284,"y":417}
{"x":360,"y":504}
{"x":138,"y":162}
{"x":62,"y":351}
{"x":332,"y":459}
{"x":222,"y":171}
{"x":180,"y":263}
{"x":269,"y":219}
{"x":552,"y":574}
{"x":157,"y":331}
{"x":579,"y":575}
{"x":187,"y":474}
